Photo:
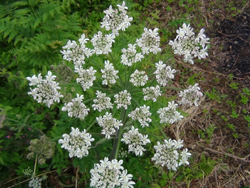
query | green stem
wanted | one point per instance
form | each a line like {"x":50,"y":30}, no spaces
{"x":34,"y":173}
{"x":91,"y":125}
{"x":162,"y":132}
{"x":120,"y":80}
{"x":117,"y":140}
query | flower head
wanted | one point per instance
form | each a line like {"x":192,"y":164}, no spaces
{"x":77,"y":143}
{"x":109,"y":124}
{"x":135,"y":141}
{"x":76,"y":108}
{"x":46,"y":90}
{"x":168,"y":154}
{"x":110,"y":174}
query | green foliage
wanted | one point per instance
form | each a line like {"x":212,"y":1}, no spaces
{"x":206,"y":165}
{"x":36,"y":31}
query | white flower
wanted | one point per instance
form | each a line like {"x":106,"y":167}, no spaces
{"x":188,"y":45}
{"x":163,"y":74}
{"x":109,"y":124}
{"x":135,"y":141}
{"x":102,"y":44}
{"x":169,"y":114}
{"x":109,"y":74}
{"x":150,"y":41}
{"x":141,"y":114}
{"x":190,"y":96}
{"x":138,"y":78}
{"x":116,"y":19}
{"x":123,"y":99}
{"x":86,"y":77}
{"x":110,"y":174}
{"x":77,"y":143}
{"x":46,"y":90}
{"x":35,"y":182}
{"x":130,"y":56}
{"x":168,"y":154}
{"x":102,"y":102}
{"x":76,"y":108}
{"x":151,"y":93}
{"x":76,"y":53}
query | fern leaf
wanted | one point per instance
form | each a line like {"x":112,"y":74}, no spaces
{"x":37,"y":22}
{"x":22,"y":12}
{"x":18,"y":4}
{"x":17,"y":39}
{"x":12,"y":35}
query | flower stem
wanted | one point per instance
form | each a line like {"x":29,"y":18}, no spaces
{"x":34,"y":173}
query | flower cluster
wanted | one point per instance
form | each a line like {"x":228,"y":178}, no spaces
{"x":163,"y":73}
{"x":43,"y":148}
{"x":135,"y":141}
{"x":46,"y":90}
{"x":116,"y":19}
{"x":138,"y":78}
{"x":151,"y":93}
{"x":86,"y":77}
{"x":123,"y":99}
{"x":169,"y":114}
{"x":77,"y":143}
{"x":110,"y":174}
{"x":141,"y":114}
{"x":102,"y":44}
{"x":76,"y":108}
{"x":168,"y":154}
{"x":109,"y":124}
{"x":109,"y":73}
{"x":35,"y":182}
{"x":188,"y":45}
{"x":191,"y":95}
{"x":102,"y":102}
{"x":123,"y":153}
{"x":73,"y":52}
{"x":150,"y":41}
{"x":130,"y":56}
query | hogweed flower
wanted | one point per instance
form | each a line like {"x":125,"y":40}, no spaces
{"x":169,"y":114}
{"x":135,"y":141}
{"x":130,"y":56}
{"x":86,"y":77}
{"x":168,"y":154}
{"x":46,"y":90}
{"x":138,"y":78}
{"x":122,"y":153}
{"x":151,"y":93}
{"x":141,"y":114}
{"x":109,"y":124}
{"x":149,"y":42}
{"x":188,"y":45}
{"x":110,"y":174}
{"x":35,"y":182}
{"x":123,"y":99}
{"x":191,"y":95}
{"x":102,"y":102}
{"x":164,"y":73}
{"x":109,"y":74}
{"x":76,"y":108}
{"x":77,"y":143}
{"x":102,"y":44}
{"x":116,"y":20}
{"x":77,"y":53}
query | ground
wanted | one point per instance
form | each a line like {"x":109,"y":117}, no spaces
{"x":217,"y":128}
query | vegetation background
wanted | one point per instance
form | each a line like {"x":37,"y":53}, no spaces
{"x":32,"y":33}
